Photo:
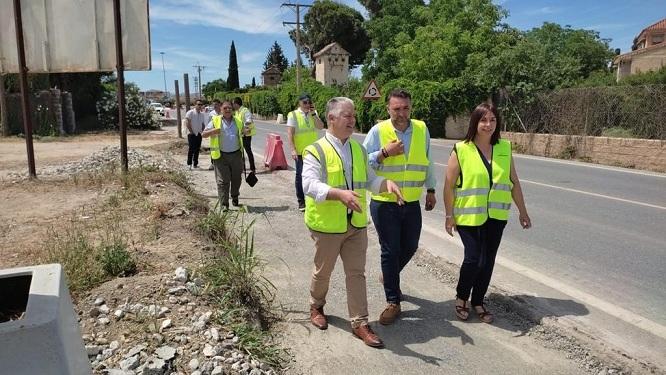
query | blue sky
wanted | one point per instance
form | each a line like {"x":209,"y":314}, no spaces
{"x":201,"y":31}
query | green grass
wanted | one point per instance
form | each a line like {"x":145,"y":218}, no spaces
{"x":234,"y":281}
{"x":617,"y":132}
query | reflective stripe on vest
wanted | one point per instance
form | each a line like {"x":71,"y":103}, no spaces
{"x":215,"y":140}
{"x":409,"y":173}
{"x":330,"y":216}
{"x":477,"y":199}
{"x":305,"y":132}
{"x":241,"y":116}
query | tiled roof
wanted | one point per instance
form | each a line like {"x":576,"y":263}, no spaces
{"x":328,"y":48}
{"x":660,"y":25}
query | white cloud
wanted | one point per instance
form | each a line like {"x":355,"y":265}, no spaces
{"x":250,"y":57}
{"x":541,"y":11}
{"x":248,"y":16}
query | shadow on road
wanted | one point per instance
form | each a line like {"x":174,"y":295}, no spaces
{"x":520,"y":313}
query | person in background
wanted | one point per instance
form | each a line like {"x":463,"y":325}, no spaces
{"x":226,"y":147}
{"x":216,"y":111}
{"x":196,"y":119}
{"x":249,"y":130}
{"x":481,"y":181}
{"x":302,"y":125}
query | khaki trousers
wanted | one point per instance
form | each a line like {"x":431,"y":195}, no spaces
{"x":351,"y":247}
{"x":228,"y":170}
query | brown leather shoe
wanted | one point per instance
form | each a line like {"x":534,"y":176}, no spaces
{"x":317,"y":317}
{"x":370,"y":338}
{"x":390,"y":314}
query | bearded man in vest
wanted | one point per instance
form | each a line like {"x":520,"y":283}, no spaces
{"x":399,"y":149}
{"x":336,"y":179}
{"x":245,"y":116}
{"x":226,"y":151}
{"x":302,"y":126}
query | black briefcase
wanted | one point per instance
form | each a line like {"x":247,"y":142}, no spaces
{"x":251,"y":179}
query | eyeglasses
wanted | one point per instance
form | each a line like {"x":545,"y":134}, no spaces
{"x":306,"y":102}
{"x":199,"y":104}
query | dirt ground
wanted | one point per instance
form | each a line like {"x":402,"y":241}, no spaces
{"x":427,"y":339}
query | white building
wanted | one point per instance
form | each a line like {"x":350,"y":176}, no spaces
{"x":332,"y":65}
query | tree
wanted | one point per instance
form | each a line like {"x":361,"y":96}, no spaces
{"x":209,"y":89}
{"x":276,"y":58}
{"x":327,"y":22}
{"x":232,"y":80}
{"x":254,"y":83}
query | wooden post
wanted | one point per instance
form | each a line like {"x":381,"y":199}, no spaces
{"x":178,"y":119}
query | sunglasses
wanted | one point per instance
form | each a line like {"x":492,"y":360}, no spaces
{"x":199,"y":105}
{"x":306,"y":102}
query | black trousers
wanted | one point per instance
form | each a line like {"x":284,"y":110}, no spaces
{"x":481,"y":244}
{"x":194,"y":145}
{"x":247,"y":145}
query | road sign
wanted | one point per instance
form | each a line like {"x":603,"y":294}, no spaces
{"x":372,"y":92}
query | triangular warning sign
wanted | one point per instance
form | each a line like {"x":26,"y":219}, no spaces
{"x":372,"y":92}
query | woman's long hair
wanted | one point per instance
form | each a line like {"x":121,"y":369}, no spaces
{"x":476,"y":116}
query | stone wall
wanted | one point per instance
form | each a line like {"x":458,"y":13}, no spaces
{"x":622,"y":152}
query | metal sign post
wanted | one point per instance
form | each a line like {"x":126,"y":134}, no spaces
{"x":120,"y":68}
{"x":25,"y":93}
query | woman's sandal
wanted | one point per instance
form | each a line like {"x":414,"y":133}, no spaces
{"x":462,"y":312}
{"x":484,"y":315}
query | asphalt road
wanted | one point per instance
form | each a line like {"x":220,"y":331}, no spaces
{"x":602,"y":229}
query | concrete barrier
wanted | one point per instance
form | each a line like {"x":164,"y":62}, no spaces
{"x":280,"y":119}
{"x":42,"y":336}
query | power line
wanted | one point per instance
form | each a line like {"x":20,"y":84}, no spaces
{"x":298,"y":38}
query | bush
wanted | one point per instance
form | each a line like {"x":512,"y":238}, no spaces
{"x":116,"y":260}
{"x":139,"y":116}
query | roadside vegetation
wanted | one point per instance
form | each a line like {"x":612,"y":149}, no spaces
{"x":233,"y":272}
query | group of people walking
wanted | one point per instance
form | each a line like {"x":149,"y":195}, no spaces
{"x":230,"y":128}
{"x":335,"y":176}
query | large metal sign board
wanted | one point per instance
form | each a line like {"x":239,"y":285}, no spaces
{"x":74,"y":36}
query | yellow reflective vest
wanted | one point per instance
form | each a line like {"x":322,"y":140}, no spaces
{"x":305,"y":132}
{"x":330,"y":216}
{"x":240,"y":114}
{"x":215,"y":140}
{"x":410,"y":171}
{"x":477,"y":197}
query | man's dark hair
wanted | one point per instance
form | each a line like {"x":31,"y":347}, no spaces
{"x":227,"y":101}
{"x":476,"y":116}
{"x":398,"y":93}
{"x":238,"y":100}
{"x":217,"y":101}
{"x":198,"y":101}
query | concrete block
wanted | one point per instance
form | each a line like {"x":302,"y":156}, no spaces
{"x":46,"y":340}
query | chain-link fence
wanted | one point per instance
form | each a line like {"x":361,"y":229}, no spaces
{"x":623,"y":111}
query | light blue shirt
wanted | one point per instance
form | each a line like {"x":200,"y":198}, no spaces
{"x":373,"y":145}
{"x":228,"y":135}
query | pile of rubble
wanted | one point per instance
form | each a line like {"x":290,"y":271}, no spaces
{"x":104,"y":159}
{"x":178,"y":335}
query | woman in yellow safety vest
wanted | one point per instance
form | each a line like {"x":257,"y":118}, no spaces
{"x":480,"y":183}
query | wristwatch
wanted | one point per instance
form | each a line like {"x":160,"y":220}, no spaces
{"x":430,"y":191}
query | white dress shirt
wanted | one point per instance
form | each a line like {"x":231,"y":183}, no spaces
{"x":317,"y":189}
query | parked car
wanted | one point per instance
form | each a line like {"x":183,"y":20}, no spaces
{"x":157,"y":107}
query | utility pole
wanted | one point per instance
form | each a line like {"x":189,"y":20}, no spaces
{"x":298,"y":38}
{"x":199,"y":68}
{"x":166,"y":92}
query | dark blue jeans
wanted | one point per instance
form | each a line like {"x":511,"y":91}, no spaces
{"x":399,"y":230}
{"x":299,"y":180}
{"x":481,"y":244}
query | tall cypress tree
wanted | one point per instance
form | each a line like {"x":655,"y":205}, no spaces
{"x":232,"y":80}
{"x":254,"y":83}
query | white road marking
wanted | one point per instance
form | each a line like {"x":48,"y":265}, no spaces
{"x":582,"y":191}
{"x":595,"y":194}
{"x":588,"y":299}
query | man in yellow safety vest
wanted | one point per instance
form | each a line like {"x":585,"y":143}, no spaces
{"x":336,"y":179}
{"x":226,"y":151}
{"x":302,"y":126}
{"x":245,"y":116}
{"x":399,"y":149}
